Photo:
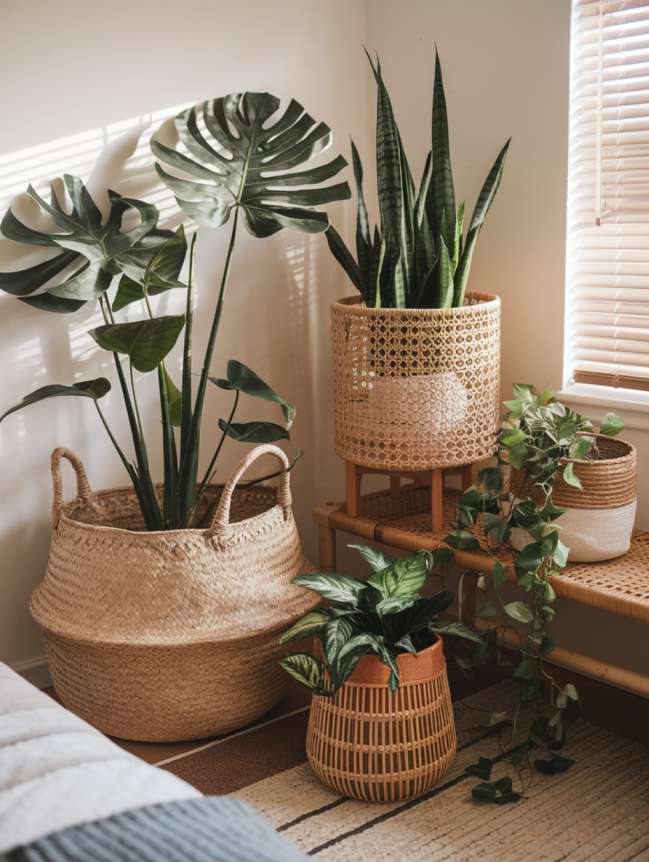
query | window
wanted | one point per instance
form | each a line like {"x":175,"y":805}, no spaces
{"x":607,"y":272}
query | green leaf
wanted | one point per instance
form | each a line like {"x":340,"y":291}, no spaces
{"x":243,"y":157}
{"x":491,"y":478}
{"x":527,"y":669}
{"x":554,"y":765}
{"x":254,"y":432}
{"x":518,"y":456}
{"x":463,"y":540}
{"x":363,"y":236}
{"x":345,"y":258}
{"x":94,"y":389}
{"x":560,"y":556}
{"x":336,"y":634}
{"x":376,"y":558}
{"x":174,"y":399}
{"x":92,"y":251}
{"x":336,"y":588}
{"x":305,"y":669}
{"x":569,"y":476}
{"x":484,"y":792}
{"x":307,"y":625}
{"x":403,"y":578}
{"x":444,"y":276}
{"x":442,"y":181}
{"x":530,"y":558}
{"x":580,"y":447}
{"x":611,"y":425}
{"x":365,"y":640}
{"x":513,"y":437}
{"x":519,"y":611}
{"x":393,"y":605}
{"x":481,"y":769}
{"x":485,"y":199}
{"x":405,"y":643}
{"x":499,"y":574}
{"x":242,"y":379}
{"x":145,"y":342}
{"x":456,"y":630}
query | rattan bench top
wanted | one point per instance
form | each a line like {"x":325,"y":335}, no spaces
{"x":402,"y":520}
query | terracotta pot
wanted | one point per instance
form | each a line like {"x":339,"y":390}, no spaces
{"x":370,"y":743}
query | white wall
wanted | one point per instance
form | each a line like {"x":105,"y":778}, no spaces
{"x":70,"y":67}
{"x":506,"y":73}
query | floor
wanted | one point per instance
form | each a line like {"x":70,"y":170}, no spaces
{"x":275,"y":742}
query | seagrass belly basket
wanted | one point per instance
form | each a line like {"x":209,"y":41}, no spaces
{"x":170,"y":635}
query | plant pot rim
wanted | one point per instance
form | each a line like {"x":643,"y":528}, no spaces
{"x":353,"y":305}
{"x":104,"y":493}
{"x":422,"y":666}
{"x":627,"y":451}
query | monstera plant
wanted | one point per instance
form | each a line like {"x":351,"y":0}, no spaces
{"x":227,"y":156}
{"x":420,"y":256}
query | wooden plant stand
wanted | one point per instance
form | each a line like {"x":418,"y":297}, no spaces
{"x":434,"y":479}
{"x":402,"y":520}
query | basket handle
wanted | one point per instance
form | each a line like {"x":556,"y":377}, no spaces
{"x":84,"y":491}
{"x":221,"y":518}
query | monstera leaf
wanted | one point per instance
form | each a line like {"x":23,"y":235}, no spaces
{"x":235,"y":155}
{"x":92,"y":251}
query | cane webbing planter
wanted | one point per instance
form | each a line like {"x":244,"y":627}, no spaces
{"x":370,"y":743}
{"x":170,"y":635}
{"x":416,"y":389}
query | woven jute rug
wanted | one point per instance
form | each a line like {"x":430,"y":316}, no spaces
{"x":597,"y":811}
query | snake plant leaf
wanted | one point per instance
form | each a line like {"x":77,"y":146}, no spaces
{"x":442,"y":181}
{"x":160,"y":274}
{"x":363,"y":237}
{"x":254,"y":432}
{"x":145,"y":342}
{"x":444,"y":276}
{"x":243,"y":379}
{"x":345,"y":258}
{"x":94,"y":389}
{"x":93,"y":250}
{"x":306,"y":669}
{"x":485,"y":199}
{"x":241,"y":160}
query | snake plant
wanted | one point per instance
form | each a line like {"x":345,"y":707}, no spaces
{"x":228,"y":156}
{"x":420,"y":255}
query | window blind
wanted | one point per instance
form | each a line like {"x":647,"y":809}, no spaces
{"x":607,"y":266}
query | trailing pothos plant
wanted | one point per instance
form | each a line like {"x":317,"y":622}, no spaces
{"x":539,"y":438}
{"x":382,"y":616}
{"x":229,"y":158}
{"x":419,"y":256}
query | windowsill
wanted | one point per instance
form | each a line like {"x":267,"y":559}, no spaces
{"x":632,"y":407}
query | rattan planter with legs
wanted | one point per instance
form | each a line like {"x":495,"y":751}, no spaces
{"x":370,"y":743}
{"x":170,"y":635}
{"x":416,"y":391}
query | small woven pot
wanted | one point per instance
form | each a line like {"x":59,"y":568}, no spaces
{"x":170,"y":635}
{"x":370,"y":743}
{"x":599,"y":520}
{"x":416,"y":389}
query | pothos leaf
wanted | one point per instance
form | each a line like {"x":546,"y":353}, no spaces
{"x":569,"y":476}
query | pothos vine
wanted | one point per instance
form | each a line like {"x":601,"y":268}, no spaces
{"x":512,"y":505}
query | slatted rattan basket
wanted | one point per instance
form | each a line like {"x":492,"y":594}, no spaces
{"x":370,"y":743}
{"x":416,"y":389}
{"x":170,"y":635}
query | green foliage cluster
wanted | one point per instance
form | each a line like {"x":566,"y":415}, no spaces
{"x":228,"y":156}
{"x":419,"y":257}
{"x":383,"y":616}
{"x":539,"y":438}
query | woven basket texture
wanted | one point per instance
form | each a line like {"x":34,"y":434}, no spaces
{"x":416,"y":389}
{"x":370,"y":743}
{"x":170,"y":635}
{"x":608,"y":483}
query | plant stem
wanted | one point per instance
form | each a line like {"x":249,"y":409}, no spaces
{"x":121,"y":454}
{"x":135,"y":404}
{"x":208,"y":473}
{"x":189,"y":464}
{"x":186,"y":384}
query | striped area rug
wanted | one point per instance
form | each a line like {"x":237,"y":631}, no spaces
{"x":598,"y":811}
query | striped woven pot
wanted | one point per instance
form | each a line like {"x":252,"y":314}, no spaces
{"x":370,"y":743}
{"x":416,"y":389}
{"x":600,"y":518}
{"x":170,"y":635}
